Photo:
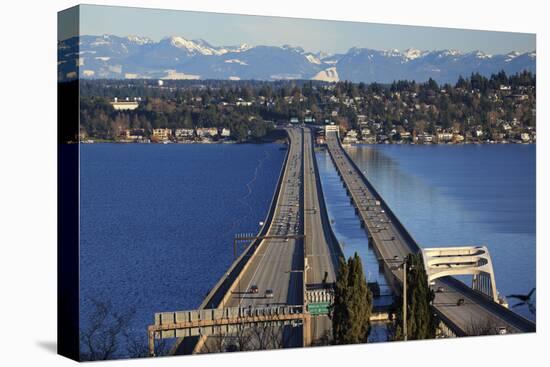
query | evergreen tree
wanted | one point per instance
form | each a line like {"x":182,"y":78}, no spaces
{"x":352,"y":303}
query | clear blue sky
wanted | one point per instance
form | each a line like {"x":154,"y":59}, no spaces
{"x":312,"y":35}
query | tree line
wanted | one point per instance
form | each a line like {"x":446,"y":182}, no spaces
{"x":471,"y":101}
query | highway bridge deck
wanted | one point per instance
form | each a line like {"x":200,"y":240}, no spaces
{"x":277,"y":264}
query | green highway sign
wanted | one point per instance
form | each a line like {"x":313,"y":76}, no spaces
{"x":318,"y":308}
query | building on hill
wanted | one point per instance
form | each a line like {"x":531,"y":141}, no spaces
{"x":125,"y":105}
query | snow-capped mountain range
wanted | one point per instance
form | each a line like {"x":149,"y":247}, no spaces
{"x":176,"y":57}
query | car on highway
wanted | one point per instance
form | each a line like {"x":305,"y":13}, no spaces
{"x":440,"y":290}
{"x":253,"y":289}
{"x":460,"y":302}
{"x":268,"y":293}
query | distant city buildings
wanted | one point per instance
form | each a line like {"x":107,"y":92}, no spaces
{"x":400,"y":114}
{"x":180,"y":135}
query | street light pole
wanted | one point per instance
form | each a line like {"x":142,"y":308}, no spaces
{"x":405,"y":298}
{"x":404,"y":293}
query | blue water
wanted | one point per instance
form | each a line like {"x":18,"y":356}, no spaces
{"x":464,"y":195}
{"x":157,"y":221}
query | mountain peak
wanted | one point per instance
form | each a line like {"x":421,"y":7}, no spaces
{"x":193,"y":46}
{"x":413,"y":53}
{"x":111,"y":56}
{"x":139,"y":40}
{"x":480,"y":54}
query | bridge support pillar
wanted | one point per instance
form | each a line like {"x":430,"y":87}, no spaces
{"x":307,"y":331}
{"x":151,"y":339}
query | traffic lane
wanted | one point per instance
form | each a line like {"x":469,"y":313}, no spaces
{"x":272,"y":266}
{"x":470,"y":316}
{"x":318,"y":248}
{"x":273,"y":274}
{"x":261,"y":272}
{"x":266,"y":266}
{"x":499,"y":314}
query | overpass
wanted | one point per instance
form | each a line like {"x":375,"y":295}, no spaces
{"x":392,"y":243}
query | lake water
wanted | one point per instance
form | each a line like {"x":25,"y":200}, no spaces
{"x":464,"y":195}
{"x":157,"y":221}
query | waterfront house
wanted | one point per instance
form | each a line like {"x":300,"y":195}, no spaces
{"x":351,"y":137}
{"x":133,"y":134}
{"x":444,"y":137}
{"x":207,"y":132}
{"x":405,"y":135}
{"x":225,"y":132}
{"x":184,"y":134}
{"x":425,"y":138}
{"x":161,"y":134}
{"x":458,"y":138}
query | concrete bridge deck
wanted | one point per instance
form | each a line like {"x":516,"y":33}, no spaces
{"x":278,"y":264}
{"x":322,"y":249}
{"x":392,"y":243}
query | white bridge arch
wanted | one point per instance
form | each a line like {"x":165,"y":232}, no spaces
{"x":469,"y":260}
